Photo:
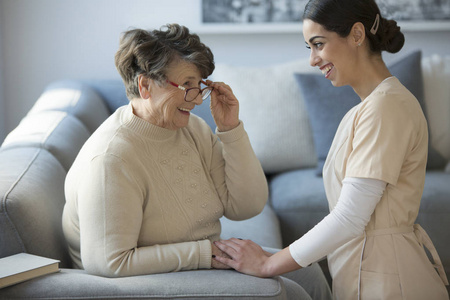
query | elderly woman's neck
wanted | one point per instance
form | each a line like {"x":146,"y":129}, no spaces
{"x":142,"y":110}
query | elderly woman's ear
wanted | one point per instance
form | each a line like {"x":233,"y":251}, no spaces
{"x":144,"y":84}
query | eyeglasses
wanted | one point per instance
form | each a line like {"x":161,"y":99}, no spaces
{"x":191,"y":93}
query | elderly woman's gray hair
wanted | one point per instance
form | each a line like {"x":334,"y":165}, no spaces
{"x":151,"y":52}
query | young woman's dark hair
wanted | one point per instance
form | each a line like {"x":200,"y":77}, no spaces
{"x":340,"y":15}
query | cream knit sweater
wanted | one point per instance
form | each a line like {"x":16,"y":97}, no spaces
{"x":142,"y":199}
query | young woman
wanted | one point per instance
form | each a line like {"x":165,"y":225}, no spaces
{"x":374,"y":173}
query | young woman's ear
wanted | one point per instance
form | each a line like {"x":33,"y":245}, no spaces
{"x":358,"y":34}
{"x":144,"y":86}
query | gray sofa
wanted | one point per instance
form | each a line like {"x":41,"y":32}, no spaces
{"x":34,"y":160}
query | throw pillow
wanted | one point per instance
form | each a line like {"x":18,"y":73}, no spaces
{"x":327,"y":104}
{"x":273,"y":113}
{"x":436,"y":80}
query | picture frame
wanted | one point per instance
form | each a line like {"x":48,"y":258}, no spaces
{"x":284,"y":16}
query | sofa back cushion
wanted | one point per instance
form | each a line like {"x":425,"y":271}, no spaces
{"x":111,"y":91}
{"x":436,"y":75}
{"x":34,"y":160}
{"x":273,"y":112}
{"x":60,"y":121}
{"x":31,"y":203}
{"x":58,"y":132}
{"x":75,"y":98}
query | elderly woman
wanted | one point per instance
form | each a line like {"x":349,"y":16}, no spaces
{"x":148,"y":188}
{"x":146,"y":191}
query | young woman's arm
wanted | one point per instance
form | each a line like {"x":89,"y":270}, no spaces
{"x":358,"y":199}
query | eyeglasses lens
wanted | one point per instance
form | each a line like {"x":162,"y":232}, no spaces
{"x":193,"y":93}
{"x":206,"y":93}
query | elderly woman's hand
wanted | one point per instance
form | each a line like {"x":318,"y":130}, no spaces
{"x":224,"y":106}
{"x":216,"y":252}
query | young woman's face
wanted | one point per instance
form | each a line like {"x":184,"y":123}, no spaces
{"x":331,"y":53}
{"x":169,"y":110}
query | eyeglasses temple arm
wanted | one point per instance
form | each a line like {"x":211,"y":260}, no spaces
{"x":176,"y":85}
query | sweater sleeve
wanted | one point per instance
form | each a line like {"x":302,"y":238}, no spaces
{"x":238,"y":176}
{"x":110,"y":208}
{"x":357,"y":202}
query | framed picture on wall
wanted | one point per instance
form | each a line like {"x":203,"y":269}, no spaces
{"x":253,"y":16}
{"x":417,"y":15}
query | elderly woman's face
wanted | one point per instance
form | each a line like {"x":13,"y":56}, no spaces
{"x":169,"y":110}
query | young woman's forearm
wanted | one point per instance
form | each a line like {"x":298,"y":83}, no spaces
{"x":279,"y":263}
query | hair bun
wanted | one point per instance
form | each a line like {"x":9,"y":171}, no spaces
{"x":391,"y":38}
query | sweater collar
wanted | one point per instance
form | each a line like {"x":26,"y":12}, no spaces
{"x":145,"y":128}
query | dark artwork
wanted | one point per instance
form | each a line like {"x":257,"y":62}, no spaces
{"x":291,"y":11}
{"x":415,"y":10}
{"x":252,"y":11}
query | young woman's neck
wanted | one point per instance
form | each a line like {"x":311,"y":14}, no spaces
{"x":374,"y":71}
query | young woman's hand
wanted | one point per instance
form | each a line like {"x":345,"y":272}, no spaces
{"x":245,"y":256}
{"x":249,"y":258}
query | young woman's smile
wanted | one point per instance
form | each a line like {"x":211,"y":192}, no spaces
{"x":326,"y":69}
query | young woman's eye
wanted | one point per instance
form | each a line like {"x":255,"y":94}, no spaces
{"x":318,"y":45}
{"x":308,"y":47}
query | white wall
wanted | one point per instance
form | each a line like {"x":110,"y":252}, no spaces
{"x":2,"y":99}
{"x":47,"y":40}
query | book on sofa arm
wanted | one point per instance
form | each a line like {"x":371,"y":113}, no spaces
{"x":23,"y":266}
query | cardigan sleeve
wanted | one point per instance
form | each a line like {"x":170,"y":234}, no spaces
{"x":237,"y":174}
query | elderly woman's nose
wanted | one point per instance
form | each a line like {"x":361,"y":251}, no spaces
{"x":198,"y":100}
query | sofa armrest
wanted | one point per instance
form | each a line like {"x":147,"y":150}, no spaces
{"x":202,"y":284}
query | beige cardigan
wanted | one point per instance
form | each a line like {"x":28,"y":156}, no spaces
{"x":142,"y":199}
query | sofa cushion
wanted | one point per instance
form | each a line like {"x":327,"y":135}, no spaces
{"x":31,"y":203}
{"x":434,"y":212}
{"x":327,"y":104}
{"x":273,"y":113}
{"x":298,"y":198}
{"x":436,"y":75}
{"x":263,"y":229}
{"x":76,"y":99}
{"x":200,"y":284}
{"x":61,"y":134}
{"x":112,"y":91}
